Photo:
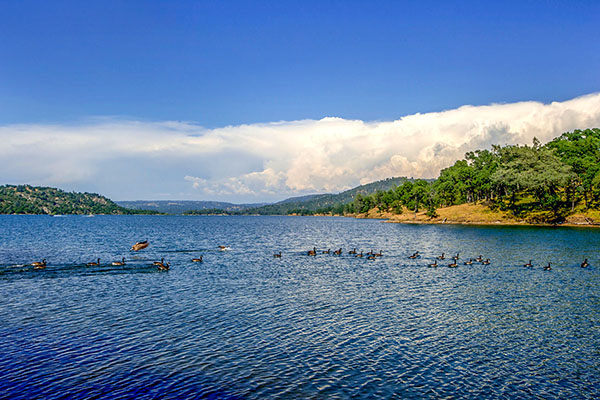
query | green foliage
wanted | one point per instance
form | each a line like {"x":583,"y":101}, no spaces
{"x":540,"y":184}
{"x":25,"y":199}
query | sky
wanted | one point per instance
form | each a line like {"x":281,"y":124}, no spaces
{"x":252,"y":101}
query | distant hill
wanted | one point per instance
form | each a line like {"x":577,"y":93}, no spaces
{"x":185,"y":206}
{"x":26,"y":199}
{"x":324,"y":202}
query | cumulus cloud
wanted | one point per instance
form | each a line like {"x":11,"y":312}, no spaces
{"x":136,"y":159}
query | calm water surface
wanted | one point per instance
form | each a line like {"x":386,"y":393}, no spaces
{"x":246,"y":325}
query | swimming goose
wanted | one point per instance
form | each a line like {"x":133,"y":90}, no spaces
{"x":277,"y":255}
{"x":380,"y":254}
{"x":470,"y":262}
{"x":486,"y":261}
{"x":435,"y":264}
{"x":197,"y":259}
{"x":584,"y":264}
{"x":371,"y":257}
{"x":453,"y":265}
{"x":456,"y":257}
{"x":327,"y":251}
{"x":415,"y":255}
{"x":352,"y":251}
{"x":163,"y":267}
{"x":359,"y":255}
{"x":122,"y":262}
{"x":479,"y":259}
{"x":548,"y":267}
{"x":162,"y":260}
{"x":39,"y":264}
{"x":529,"y":264}
{"x":312,"y":252}
{"x":442,"y":257}
{"x":338,"y":252}
{"x":140,"y":245}
{"x":224,"y":248}
{"x":93,"y":264}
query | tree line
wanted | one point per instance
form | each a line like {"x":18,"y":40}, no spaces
{"x":537,"y":183}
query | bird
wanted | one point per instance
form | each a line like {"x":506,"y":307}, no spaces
{"x":277,"y":255}
{"x":453,"y":265}
{"x":122,"y":262}
{"x":415,"y":255}
{"x":584,"y":264}
{"x":93,"y":264}
{"x":548,"y":267}
{"x":140,"y":245}
{"x":371,"y":257}
{"x":442,"y":257}
{"x":380,"y":254}
{"x":326,"y":251}
{"x":479,"y":259}
{"x":359,"y":255}
{"x":486,"y":261}
{"x":162,"y":260}
{"x":470,"y":262}
{"x":39,"y":264}
{"x":312,"y":252}
{"x":197,"y":259}
{"x":456,"y":257}
{"x":338,"y":252}
{"x":352,"y":251}
{"x":223,"y":248}
{"x":163,"y":267}
{"x":435,"y":264}
{"x":529,"y":264}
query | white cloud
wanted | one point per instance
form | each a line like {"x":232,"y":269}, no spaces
{"x":133,"y":159}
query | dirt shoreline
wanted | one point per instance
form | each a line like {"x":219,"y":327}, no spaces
{"x":474,"y":214}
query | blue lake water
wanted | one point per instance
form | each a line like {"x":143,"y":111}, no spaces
{"x":244,"y":324}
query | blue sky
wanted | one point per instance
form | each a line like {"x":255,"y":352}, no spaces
{"x":228,"y":62}
{"x":191,"y":68}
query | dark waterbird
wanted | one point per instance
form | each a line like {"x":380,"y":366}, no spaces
{"x":434,"y":265}
{"x":548,"y":267}
{"x":312,"y":252}
{"x":486,"y":261}
{"x":277,"y":255}
{"x":93,"y":264}
{"x":338,"y":252}
{"x":359,"y":255}
{"x":353,"y":251}
{"x":39,"y":264}
{"x":326,"y":251}
{"x":529,"y":264}
{"x":162,"y":260}
{"x":453,"y":264}
{"x":470,"y":262}
{"x":442,"y":257}
{"x":162,"y":266}
{"x":584,"y":264}
{"x":197,"y":259}
{"x":122,"y":262}
{"x":415,"y":255}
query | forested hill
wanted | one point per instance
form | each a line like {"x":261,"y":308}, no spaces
{"x":325,"y":203}
{"x":25,"y":199}
{"x":536,"y":184}
{"x":186,"y":206}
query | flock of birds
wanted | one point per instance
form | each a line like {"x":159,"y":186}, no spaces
{"x":161,"y":265}
{"x":416,"y":255}
{"x":371,"y":255}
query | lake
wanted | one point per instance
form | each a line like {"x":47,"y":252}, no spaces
{"x":246,"y":325}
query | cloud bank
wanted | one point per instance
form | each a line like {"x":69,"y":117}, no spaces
{"x":127,"y":159}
